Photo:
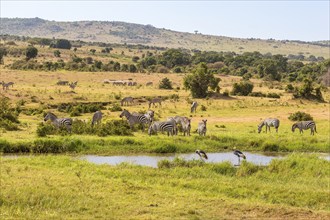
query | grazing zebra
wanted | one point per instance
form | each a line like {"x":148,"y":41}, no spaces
{"x":185,"y":124}
{"x":193,"y":107}
{"x":154,"y":101}
{"x":59,"y":122}
{"x":175,"y":127}
{"x":149,"y":84}
{"x":135,"y":119}
{"x":149,"y":114}
{"x":304,"y":125}
{"x":5,"y":86}
{"x":97,"y":117}
{"x":202,"y":127}
{"x":201,"y":154}
{"x":73,"y":85}
{"x":167,"y":126}
{"x":127,"y":100}
{"x":269,"y":122}
{"x":132,"y":83}
{"x":62,"y":83}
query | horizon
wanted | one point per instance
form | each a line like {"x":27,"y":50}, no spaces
{"x":284,"y":20}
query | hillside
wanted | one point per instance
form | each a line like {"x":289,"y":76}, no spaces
{"x":122,"y":32}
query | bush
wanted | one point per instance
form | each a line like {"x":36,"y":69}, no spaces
{"x":242,"y":88}
{"x":257,"y":94}
{"x":113,"y":127}
{"x":8,"y":116}
{"x":300,"y":116}
{"x":165,"y":83}
{"x":115,"y":108}
{"x":203,"y":108}
{"x":226,"y":93}
{"x":273,"y":95}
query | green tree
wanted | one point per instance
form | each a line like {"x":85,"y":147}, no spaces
{"x":61,"y":44}
{"x":165,"y":83}
{"x":132,"y":68}
{"x":200,"y":81}
{"x":92,"y":51}
{"x":243,"y":88}
{"x":31,"y":52}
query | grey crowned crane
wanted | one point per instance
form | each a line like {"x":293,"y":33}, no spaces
{"x":201,"y":154}
{"x":239,"y":154}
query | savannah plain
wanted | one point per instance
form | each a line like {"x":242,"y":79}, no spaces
{"x":45,"y":186}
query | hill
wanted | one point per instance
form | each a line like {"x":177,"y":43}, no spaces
{"x":129,"y":33}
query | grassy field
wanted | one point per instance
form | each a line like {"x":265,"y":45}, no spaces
{"x":41,"y":186}
{"x":232,"y":121}
{"x":44,"y":187}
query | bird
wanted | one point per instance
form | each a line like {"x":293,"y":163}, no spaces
{"x":202,"y":154}
{"x":239,"y":154}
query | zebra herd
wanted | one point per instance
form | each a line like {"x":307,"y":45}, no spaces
{"x":170,"y":126}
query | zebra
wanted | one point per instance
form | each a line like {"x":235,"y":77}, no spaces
{"x":184,"y":122}
{"x":62,"y":83}
{"x":59,"y":122}
{"x":135,"y":119}
{"x":167,"y":126}
{"x":97,"y":117}
{"x":5,"y":86}
{"x":202,"y":128}
{"x":149,"y":84}
{"x":127,"y":100}
{"x":149,"y":114}
{"x":269,"y":122}
{"x":174,"y":122}
{"x":154,"y":101}
{"x":193,"y":107}
{"x":304,"y":125}
{"x":73,"y":85}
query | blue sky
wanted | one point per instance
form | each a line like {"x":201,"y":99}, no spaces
{"x":293,"y":20}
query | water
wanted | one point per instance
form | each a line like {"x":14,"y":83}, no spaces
{"x":152,"y":160}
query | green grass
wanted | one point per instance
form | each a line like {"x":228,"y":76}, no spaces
{"x":42,"y":187}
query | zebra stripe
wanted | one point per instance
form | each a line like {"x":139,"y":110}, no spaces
{"x":59,"y":122}
{"x":154,"y":101}
{"x":304,"y":125}
{"x":167,"y":126}
{"x":269,"y":122}
{"x":97,"y":117}
{"x":135,"y":119}
{"x":202,"y":127}
{"x":127,"y":100}
{"x":193,"y":107}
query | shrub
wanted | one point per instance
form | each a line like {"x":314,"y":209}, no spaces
{"x":8,"y":116}
{"x":242,"y":88}
{"x":273,"y":95}
{"x":203,"y":108}
{"x":226,"y":93}
{"x":115,"y":108}
{"x":165,"y":83}
{"x":300,"y":116}
{"x":257,"y":94}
